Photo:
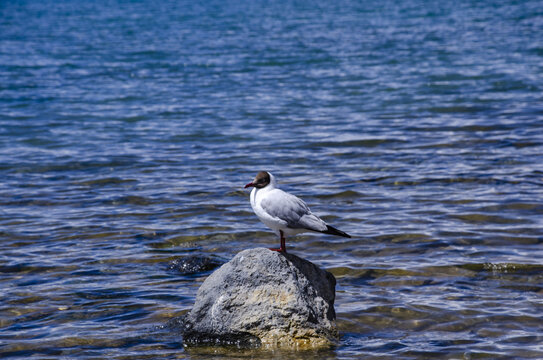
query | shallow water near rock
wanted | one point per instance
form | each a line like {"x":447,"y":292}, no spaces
{"x":128,"y":129}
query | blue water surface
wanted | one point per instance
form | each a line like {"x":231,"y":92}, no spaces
{"x":128,"y":129}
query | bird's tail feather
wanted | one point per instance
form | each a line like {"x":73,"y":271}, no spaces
{"x":333,"y":231}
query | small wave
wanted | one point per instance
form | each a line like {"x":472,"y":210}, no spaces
{"x":105,"y":181}
{"x":356,"y":143}
{"x":341,"y":194}
{"x":456,"y":109}
{"x":505,"y":268}
{"x":486,"y":219}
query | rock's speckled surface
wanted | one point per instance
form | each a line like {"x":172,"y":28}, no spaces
{"x":265,"y":298}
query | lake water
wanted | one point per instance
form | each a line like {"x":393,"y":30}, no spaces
{"x":128,"y":129}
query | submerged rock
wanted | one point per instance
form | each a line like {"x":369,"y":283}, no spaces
{"x":193,"y":264}
{"x":265,"y":298}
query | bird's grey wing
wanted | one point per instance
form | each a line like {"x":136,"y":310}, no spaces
{"x":292,"y":210}
{"x":312,"y":222}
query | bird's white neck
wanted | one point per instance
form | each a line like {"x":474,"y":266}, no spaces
{"x":273,"y":183}
{"x":262,"y":191}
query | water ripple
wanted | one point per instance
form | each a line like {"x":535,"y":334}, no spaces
{"x":127,"y":134}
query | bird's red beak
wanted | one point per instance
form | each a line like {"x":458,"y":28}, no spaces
{"x":249,"y":185}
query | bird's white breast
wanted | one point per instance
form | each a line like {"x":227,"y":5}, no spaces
{"x":273,"y":223}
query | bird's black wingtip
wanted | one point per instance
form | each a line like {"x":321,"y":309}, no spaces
{"x":333,"y":231}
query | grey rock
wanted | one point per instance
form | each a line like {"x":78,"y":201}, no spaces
{"x":266,"y":298}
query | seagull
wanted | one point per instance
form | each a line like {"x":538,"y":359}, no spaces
{"x":284,"y":213}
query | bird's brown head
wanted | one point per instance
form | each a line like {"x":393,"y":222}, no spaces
{"x":261,"y":180}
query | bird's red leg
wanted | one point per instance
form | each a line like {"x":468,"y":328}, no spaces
{"x":283,"y":247}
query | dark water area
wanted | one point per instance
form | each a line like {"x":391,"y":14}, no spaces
{"x":128,"y":129}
